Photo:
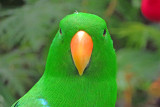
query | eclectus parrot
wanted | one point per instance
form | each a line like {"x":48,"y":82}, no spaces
{"x":80,"y":69}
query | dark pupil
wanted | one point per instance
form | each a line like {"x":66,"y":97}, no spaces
{"x":104,"y":32}
{"x":60,"y":31}
{"x":16,"y":105}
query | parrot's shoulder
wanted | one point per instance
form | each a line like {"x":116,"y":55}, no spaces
{"x":31,"y":103}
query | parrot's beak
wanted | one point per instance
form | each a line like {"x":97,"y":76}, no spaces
{"x":81,"y":49}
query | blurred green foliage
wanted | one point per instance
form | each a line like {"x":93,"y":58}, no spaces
{"x":27,"y":29}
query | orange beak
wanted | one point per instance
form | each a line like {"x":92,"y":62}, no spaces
{"x":81,"y":49}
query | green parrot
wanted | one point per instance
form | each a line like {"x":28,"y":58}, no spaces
{"x":80,"y":69}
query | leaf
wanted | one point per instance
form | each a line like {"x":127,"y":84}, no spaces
{"x":136,"y":34}
{"x":143,"y":65}
{"x":29,"y":26}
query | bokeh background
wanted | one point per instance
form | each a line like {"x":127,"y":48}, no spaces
{"x":27,"y":28}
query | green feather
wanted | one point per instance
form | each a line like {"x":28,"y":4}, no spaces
{"x":61,"y":85}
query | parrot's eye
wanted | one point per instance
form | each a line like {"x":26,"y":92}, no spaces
{"x":60,"y":31}
{"x":104,"y":32}
{"x":16,"y":105}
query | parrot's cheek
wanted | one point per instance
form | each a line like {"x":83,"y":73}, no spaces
{"x":81,"y":50}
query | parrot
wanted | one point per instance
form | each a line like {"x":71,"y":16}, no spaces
{"x":81,"y":67}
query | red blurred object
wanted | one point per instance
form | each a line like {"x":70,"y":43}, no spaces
{"x":151,"y":10}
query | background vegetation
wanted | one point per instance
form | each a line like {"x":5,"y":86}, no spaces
{"x":27,"y":28}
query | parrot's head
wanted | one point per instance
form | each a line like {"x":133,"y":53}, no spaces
{"x":82,"y":47}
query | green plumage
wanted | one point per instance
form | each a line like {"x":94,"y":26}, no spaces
{"x":61,"y":85}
